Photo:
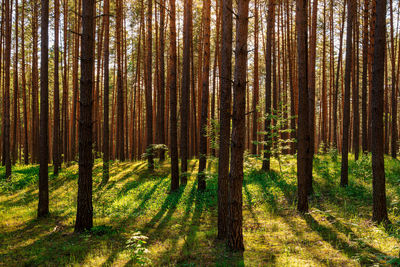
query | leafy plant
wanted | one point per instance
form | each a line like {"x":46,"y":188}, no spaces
{"x":279,"y":140}
{"x":212,"y":132}
{"x":136,"y":246}
{"x":154,"y":150}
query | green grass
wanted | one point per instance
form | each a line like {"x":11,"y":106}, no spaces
{"x":181,"y":227}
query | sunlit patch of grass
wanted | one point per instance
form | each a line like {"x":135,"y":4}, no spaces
{"x":181,"y":226}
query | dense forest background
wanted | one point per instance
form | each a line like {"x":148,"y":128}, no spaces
{"x":217,"y":94}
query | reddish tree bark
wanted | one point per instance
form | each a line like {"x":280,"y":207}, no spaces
{"x":378,"y":69}
{"x":148,"y":75}
{"x":344,"y":179}
{"x":235,"y":217}
{"x":205,"y":95}
{"x":84,"y":215}
{"x":106,"y":119}
{"x":172,"y":78}
{"x":185,"y":90}
{"x":56,"y":125}
{"x":268,"y":94}
{"x":7,"y":63}
{"x":225,"y":117}
{"x":303,"y":133}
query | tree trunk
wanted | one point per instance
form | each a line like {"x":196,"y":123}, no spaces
{"x":84,"y":215}
{"x":16,"y":92}
{"x":225,"y":117}
{"x":148,"y":75}
{"x":56,"y":125}
{"x":365,"y":79}
{"x":106,"y":119}
{"x":173,"y":100}
{"x":311,"y":81}
{"x":303,"y":132}
{"x":35,"y":79}
{"x":268,"y":98}
{"x":24,"y":96}
{"x":65,"y":100}
{"x":75,"y":80}
{"x":235,"y":234}
{"x":394,"y":88}
{"x":379,"y":192}
{"x":120,"y":85}
{"x":256,"y":86}
{"x":43,"y":206}
{"x":336,"y":92}
{"x":161,"y":111}
{"x":205,"y":95}
{"x":7,"y":63}
{"x":344,"y":179}
{"x":185,"y":90}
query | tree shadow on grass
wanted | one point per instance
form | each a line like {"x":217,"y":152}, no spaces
{"x":168,"y":207}
{"x":53,"y":243}
{"x":361,"y":251}
{"x":131,"y":219}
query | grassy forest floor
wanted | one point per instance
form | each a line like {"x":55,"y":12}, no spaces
{"x":181,"y":227}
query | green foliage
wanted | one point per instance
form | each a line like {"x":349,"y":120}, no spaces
{"x":137,"y":250}
{"x":362,"y":168}
{"x":22,"y":177}
{"x":212,"y":132}
{"x":333,"y":153}
{"x":154,"y":150}
{"x":181,"y":226}
{"x":102,"y":230}
{"x":278,"y":133}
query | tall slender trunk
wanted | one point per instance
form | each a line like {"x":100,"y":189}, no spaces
{"x":7,"y":63}
{"x":172,"y":75}
{"x":256,"y":84}
{"x":56,"y":125}
{"x":364,"y":85}
{"x":106,"y":119}
{"x":336,"y":92}
{"x":311,"y":81}
{"x":84,"y":215}
{"x":205,"y":94}
{"x":355,"y":97}
{"x":65,"y":100}
{"x":292,"y":79}
{"x":268,"y":94}
{"x":75,"y":80}
{"x":225,"y":117}
{"x":161,"y":111}
{"x":304,"y":138}
{"x":43,"y":205}
{"x":24,"y":96}
{"x":120,"y":86}
{"x":35,"y":80}
{"x":215,"y":69}
{"x":235,"y":217}
{"x":148,"y":75}
{"x":3,"y":126}
{"x":185,"y":89}
{"x":16,"y":92}
{"x":394,"y":88}
{"x":344,"y":179}
{"x":378,"y":169}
